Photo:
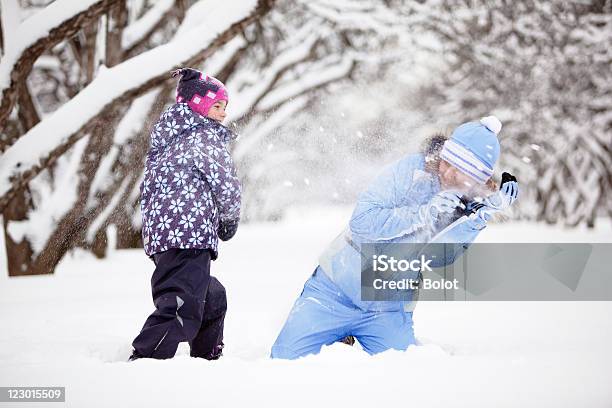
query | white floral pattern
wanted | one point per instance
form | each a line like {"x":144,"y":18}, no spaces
{"x":187,"y":221}
{"x":174,"y":236}
{"x":177,"y":205}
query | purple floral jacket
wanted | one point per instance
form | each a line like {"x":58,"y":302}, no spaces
{"x":190,"y":183}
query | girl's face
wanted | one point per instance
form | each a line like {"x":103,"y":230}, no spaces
{"x":217,"y":111}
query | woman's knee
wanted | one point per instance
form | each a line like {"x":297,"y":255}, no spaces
{"x":388,"y":330}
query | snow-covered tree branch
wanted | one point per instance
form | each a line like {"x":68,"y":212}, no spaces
{"x":115,"y":74}
{"x":60,"y":20}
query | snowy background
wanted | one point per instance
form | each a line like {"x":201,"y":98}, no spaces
{"x":323,"y":93}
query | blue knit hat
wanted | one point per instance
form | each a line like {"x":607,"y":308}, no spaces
{"x":473,"y":148}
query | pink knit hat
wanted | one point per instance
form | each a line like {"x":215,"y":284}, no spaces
{"x":198,"y":90}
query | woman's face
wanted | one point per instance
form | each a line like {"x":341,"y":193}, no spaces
{"x":451,"y":178}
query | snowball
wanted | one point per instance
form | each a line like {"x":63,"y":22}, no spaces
{"x":492,"y":123}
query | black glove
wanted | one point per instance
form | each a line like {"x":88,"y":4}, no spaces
{"x":227,"y":229}
{"x":507,"y":177}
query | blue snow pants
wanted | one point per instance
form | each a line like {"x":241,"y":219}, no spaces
{"x":323,"y":315}
{"x":190,"y":306}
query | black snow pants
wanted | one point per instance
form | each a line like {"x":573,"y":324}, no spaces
{"x":190,"y":306}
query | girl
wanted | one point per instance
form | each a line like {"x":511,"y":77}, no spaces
{"x":190,"y":198}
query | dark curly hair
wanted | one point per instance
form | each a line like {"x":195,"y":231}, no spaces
{"x":431,"y":148}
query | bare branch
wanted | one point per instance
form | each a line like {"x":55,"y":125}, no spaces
{"x":27,"y":113}
{"x":115,"y":25}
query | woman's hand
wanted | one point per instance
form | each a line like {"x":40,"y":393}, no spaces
{"x":499,"y":201}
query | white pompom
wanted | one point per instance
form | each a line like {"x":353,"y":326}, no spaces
{"x":492,"y":123}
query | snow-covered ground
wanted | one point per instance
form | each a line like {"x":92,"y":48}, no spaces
{"x":74,"y":329}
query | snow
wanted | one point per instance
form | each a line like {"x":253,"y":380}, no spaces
{"x":377,"y":19}
{"x":135,"y":8}
{"x":74,"y":329}
{"x":128,"y":127}
{"x":52,"y":200}
{"x":258,"y":132}
{"x":131,"y":123}
{"x":10,"y":18}
{"x":110,"y":84}
{"x":100,"y":219}
{"x":336,"y":70}
{"x":204,"y":17}
{"x":215,"y":63}
{"x":247,"y":99}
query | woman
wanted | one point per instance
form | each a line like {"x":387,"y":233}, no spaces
{"x":440,"y":195}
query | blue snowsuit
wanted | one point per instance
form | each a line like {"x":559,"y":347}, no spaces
{"x":330,"y":306}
